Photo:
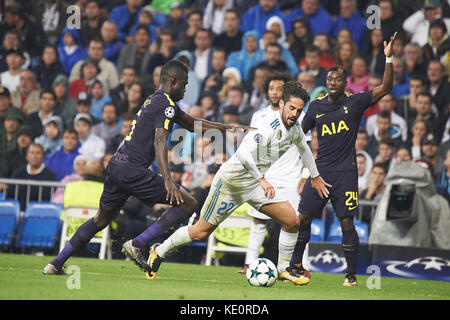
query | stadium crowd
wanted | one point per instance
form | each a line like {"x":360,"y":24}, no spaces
{"x":69,"y":95}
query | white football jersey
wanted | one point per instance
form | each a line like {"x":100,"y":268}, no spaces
{"x":286,"y":172}
{"x":263,"y":147}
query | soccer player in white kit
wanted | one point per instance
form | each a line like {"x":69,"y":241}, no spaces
{"x":284,"y":174}
{"x":241,"y":179}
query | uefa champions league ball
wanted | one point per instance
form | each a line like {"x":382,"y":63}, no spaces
{"x":262,"y":273}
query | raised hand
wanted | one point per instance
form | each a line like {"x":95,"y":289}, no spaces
{"x":388,"y":46}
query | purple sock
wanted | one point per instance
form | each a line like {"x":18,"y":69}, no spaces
{"x":83,"y":235}
{"x":304,"y":234}
{"x":350,"y":244}
{"x":169,"y":219}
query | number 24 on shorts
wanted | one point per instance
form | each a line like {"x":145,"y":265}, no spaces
{"x":352,"y":200}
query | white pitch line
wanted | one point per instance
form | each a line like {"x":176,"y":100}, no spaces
{"x":126,"y":276}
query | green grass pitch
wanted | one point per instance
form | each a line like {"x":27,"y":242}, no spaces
{"x":21,"y":278}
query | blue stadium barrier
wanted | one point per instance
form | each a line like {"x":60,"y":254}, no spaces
{"x":317,"y":231}
{"x":335,"y":234}
{"x":41,"y":226}
{"x":9,"y":219}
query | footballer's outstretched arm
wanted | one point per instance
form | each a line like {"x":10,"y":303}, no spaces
{"x":388,"y":77}
{"x":162,"y":159}
{"x":188,"y":122}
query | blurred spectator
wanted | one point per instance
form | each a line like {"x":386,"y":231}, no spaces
{"x":384,"y":129}
{"x":276,"y":25}
{"x":26,"y":97}
{"x":196,"y":171}
{"x":70,"y":49}
{"x":99,"y":98}
{"x":247,"y":57}
{"x":414,"y":60}
{"x":402,"y":154}
{"x":318,"y":17}
{"x":439,"y":43}
{"x":185,"y":40}
{"x":91,"y":22}
{"x":209,"y":104}
{"x":165,"y":51}
{"x":406,"y":106}
{"x":400,"y":78}
{"x":48,"y":68}
{"x":273,"y":60}
{"x":110,"y":124}
{"x":306,"y":79}
{"x":214,"y":15}
{"x":256,"y":17}
{"x":145,"y":18}
{"x":398,"y":46}
{"x":175,"y":21}
{"x":344,"y":54}
{"x":214,"y":81}
{"x":419,"y":130}
{"x":135,"y":98}
{"x":438,"y":86}
{"x":115,"y":141}
{"x":388,"y":103}
{"x":5,"y":105}
{"x":390,"y":21}
{"x":51,"y":138}
{"x":374,"y":52}
{"x":270,"y":37}
{"x":231,"y":37}
{"x":127,"y":77}
{"x":322,"y":41}
{"x":36,"y":170}
{"x":236,"y":100}
{"x":430,"y":151}
{"x":61,"y":162}
{"x":233,"y":139}
{"x":423,"y":110}
{"x":256,"y":97}
{"x":418,"y":24}
{"x":375,"y":80}
{"x":194,"y":85}
{"x":10,"y":41}
{"x":386,"y":149}
{"x":312,"y":58}
{"x":136,"y":54}
{"x":358,"y":80}
{"x":92,"y":146}
{"x":79,"y":163}
{"x":375,"y":189}
{"x":89,"y":72}
{"x":113,"y":45}
{"x":11,"y":78}
{"x":362,"y":140}
{"x":350,"y":19}
{"x":302,"y":37}
{"x":364,"y":164}
{"x":232,"y":78}
{"x":47,"y":103}
{"x":125,"y":17}
{"x":108,"y":71}
{"x":202,"y":55}
{"x":9,"y":161}
{"x":12,"y":120}
{"x":31,"y":34}
{"x":65,"y":104}
{"x":52,"y":16}
{"x":443,"y":181}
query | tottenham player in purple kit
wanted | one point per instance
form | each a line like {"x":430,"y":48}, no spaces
{"x":128,"y":175}
{"x":337,"y":117}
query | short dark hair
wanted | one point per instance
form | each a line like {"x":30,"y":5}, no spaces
{"x":276,"y":76}
{"x":386,"y":114}
{"x":363,"y":130}
{"x":98,"y":40}
{"x":381,"y":166}
{"x":71,"y":130}
{"x":167,"y":32}
{"x":210,"y":34}
{"x":339,"y":69}
{"x":294,"y":89}
{"x":425,"y":94}
{"x":145,"y":28}
{"x":312,"y":48}
{"x":34,"y":144}
{"x":47,"y":91}
{"x":199,"y":12}
{"x":387,"y":141}
{"x":172,"y":67}
{"x":233,"y":10}
{"x":15,"y":9}
{"x":274,"y":44}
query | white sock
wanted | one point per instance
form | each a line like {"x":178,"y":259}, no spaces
{"x":255,"y":241}
{"x":286,"y":247}
{"x":178,"y":239}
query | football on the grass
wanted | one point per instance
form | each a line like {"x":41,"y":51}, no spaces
{"x":262,"y":273}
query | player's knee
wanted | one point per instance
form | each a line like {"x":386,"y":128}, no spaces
{"x":305,"y":220}
{"x":197,"y":235}
{"x":292,"y":224}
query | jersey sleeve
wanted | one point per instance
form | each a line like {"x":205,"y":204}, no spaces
{"x":167,"y":112}
{"x":362,"y":100}
{"x":309,"y":121}
{"x":250,"y":150}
